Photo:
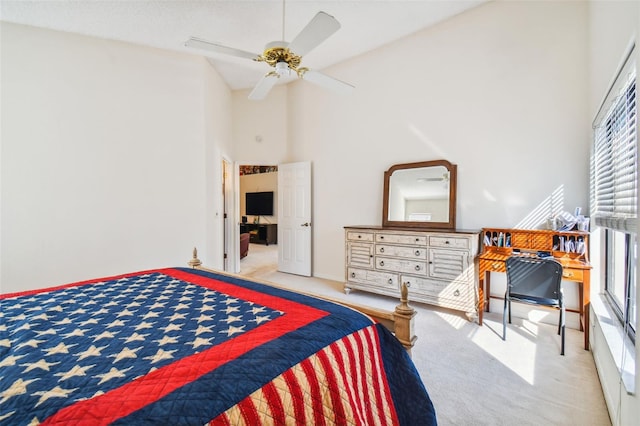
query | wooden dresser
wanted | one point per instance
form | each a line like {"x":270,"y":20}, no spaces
{"x":570,"y":248}
{"x":437,"y":266}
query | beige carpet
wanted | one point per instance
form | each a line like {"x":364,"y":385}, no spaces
{"x":472,"y":375}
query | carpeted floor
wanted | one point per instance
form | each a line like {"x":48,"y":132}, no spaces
{"x":472,"y":375}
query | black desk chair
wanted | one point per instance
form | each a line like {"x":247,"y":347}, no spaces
{"x":534,"y":281}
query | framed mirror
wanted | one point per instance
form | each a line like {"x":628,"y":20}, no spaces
{"x":420,"y":195}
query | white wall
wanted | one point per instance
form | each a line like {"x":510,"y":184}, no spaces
{"x":260,"y":128}
{"x":105,"y":148}
{"x":613,"y":26}
{"x":500,"y":90}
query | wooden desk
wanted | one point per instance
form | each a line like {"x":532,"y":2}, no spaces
{"x":575,"y":266}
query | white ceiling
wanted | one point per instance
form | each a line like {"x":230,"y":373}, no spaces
{"x":242,"y":24}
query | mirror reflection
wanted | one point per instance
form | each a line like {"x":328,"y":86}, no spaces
{"x":420,"y":195}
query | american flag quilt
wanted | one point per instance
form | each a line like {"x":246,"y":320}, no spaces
{"x":179,"y":346}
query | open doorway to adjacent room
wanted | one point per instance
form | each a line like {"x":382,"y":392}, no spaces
{"x":258,"y":186}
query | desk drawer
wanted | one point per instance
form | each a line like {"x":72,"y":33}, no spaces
{"x":573,"y":274}
{"x":492,"y":266}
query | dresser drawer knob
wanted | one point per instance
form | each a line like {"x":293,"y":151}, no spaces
{"x":382,"y":237}
{"x":353,"y":275}
{"x":456,"y":293}
{"x":390,"y":281}
{"x":408,"y":283}
{"x":417,"y":252}
{"x":446,"y":242}
{"x":417,"y":267}
{"x":417,"y":240}
{"x":381,"y":249}
{"x":382,"y":263}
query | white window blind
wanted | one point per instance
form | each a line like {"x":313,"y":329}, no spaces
{"x":614,"y":160}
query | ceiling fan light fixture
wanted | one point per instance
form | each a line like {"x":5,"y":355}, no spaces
{"x":282,"y":68}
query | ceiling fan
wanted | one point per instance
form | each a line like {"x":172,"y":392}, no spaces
{"x":285,"y":57}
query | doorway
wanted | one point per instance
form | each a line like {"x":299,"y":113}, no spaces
{"x":258,"y":213}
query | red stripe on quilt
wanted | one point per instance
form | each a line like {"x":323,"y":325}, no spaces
{"x":357,"y":370}
{"x":296,"y":396}
{"x":316,"y":395}
{"x":361,"y":370}
{"x":347,"y":376}
{"x":336,"y":402}
{"x":142,"y":391}
{"x":249,"y":412}
{"x":275,"y":403}
{"x":363,"y":377}
{"x":385,"y":401}
{"x":221,"y":420}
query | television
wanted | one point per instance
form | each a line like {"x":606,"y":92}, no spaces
{"x":259,"y":203}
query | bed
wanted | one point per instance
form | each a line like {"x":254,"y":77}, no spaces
{"x":187,"y":346}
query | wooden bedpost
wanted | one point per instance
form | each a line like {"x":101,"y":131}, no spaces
{"x":195,"y":262}
{"x":403,"y":315}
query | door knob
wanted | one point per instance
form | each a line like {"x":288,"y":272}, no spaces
{"x":309,"y":224}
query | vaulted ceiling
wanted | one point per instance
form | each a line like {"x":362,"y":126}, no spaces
{"x":245,"y":25}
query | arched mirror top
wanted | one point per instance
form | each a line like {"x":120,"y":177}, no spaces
{"x":420,"y":195}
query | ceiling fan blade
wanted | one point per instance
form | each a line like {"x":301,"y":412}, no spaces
{"x":264,"y":86}
{"x":328,"y":82}
{"x":217,"y":48}
{"x":317,"y":30}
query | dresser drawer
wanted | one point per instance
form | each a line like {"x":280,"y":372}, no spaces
{"x":449,"y":242}
{"x":374,"y":278}
{"x":402,"y":266}
{"x":419,"y":240}
{"x":360,"y":236}
{"x":418,"y":253}
{"x":440,"y":289}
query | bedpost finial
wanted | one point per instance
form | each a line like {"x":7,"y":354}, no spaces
{"x":404,"y":307}
{"x":195,"y":262}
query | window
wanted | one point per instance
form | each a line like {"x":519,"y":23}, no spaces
{"x":614,"y":192}
{"x":620,"y":276}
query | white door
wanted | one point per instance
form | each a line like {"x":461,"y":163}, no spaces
{"x":294,"y":218}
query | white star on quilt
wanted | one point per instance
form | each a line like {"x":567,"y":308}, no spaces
{"x":56,"y":392}
{"x":61,"y":348}
{"x":18,"y":387}
{"x":125,"y":353}
{"x":233,"y":330}
{"x":76,"y":371}
{"x":92,"y":351}
{"x":41,"y":364}
{"x":112,"y":374}
{"x":160,"y":355}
